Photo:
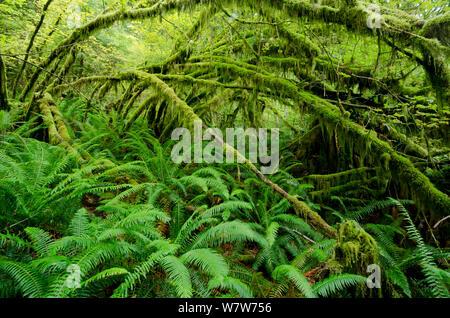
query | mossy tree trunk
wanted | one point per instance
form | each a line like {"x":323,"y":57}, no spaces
{"x":3,"y":86}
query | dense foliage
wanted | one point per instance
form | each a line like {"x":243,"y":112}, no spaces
{"x":92,"y":204}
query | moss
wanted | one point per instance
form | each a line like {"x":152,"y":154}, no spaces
{"x":48,"y":75}
{"x":360,"y":187}
{"x":126,"y":96}
{"x":57,"y":130}
{"x":356,"y":250}
{"x":334,"y":267}
{"x":302,"y":44}
{"x":140,"y":87}
{"x":435,"y":62}
{"x":99,"y":79}
{"x":336,"y":178}
{"x":212,"y":104}
{"x":179,"y":111}
{"x":361,"y":140}
{"x":277,"y":113}
{"x":70,"y":59}
{"x":45,"y":104}
{"x":202,"y":82}
{"x":355,"y":18}
{"x":144,"y":105}
{"x":438,"y":28}
{"x":104,"y":89}
{"x":60,"y":125}
{"x":352,"y":138}
{"x":420,"y":189}
{"x":409,"y":146}
{"x":427,"y":197}
{"x":30,"y":45}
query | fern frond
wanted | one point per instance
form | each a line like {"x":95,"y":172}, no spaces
{"x":207,"y":260}
{"x":178,"y":274}
{"x":40,"y":240}
{"x":26,"y":278}
{"x":232,"y":284}
{"x":435,"y":281}
{"x":292,"y":274}
{"x":115,"y":271}
{"x":337,"y":283}
{"x":79,"y":226}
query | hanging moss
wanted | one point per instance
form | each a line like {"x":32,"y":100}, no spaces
{"x":336,"y":178}
{"x":302,"y":44}
{"x":104,"y":89}
{"x":404,"y":173}
{"x":139,"y":89}
{"x":184,"y":115}
{"x":349,"y":138}
{"x":435,"y":62}
{"x":428,"y":199}
{"x":141,"y":109}
{"x":212,"y":104}
{"x":438,"y":28}
{"x":70,"y":59}
{"x":357,"y":248}
{"x":100,"y":79}
{"x":364,"y":142}
{"x":119,"y":105}
{"x":400,"y":139}
{"x":359,"y":188}
{"x":279,"y":115}
{"x":48,"y":75}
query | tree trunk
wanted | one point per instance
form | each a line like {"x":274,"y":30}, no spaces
{"x":3,"y":88}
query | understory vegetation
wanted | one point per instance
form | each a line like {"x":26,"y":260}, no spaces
{"x":92,"y":204}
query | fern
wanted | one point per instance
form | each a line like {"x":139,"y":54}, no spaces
{"x":337,"y":283}
{"x":235,"y":286}
{"x":435,"y":281}
{"x":178,"y":274}
{"x":26,"y":278}
{"x":207,"y":260}
{"x":293,"y":275}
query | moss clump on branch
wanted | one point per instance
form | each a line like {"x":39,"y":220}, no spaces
{"x":336,"y":178}
{"x":356,"y":249}
{"x":438,"y":28}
